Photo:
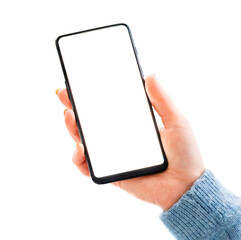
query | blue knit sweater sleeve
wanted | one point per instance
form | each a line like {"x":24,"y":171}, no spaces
{"x":206,"y":211}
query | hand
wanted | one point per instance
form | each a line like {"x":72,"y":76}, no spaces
{"x":184,"y":159}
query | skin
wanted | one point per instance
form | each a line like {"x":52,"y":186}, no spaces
{"x":185,"y":163}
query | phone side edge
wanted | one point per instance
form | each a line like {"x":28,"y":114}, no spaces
{"x":70,"y":95}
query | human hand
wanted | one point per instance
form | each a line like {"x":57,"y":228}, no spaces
{"x":185,"y":163}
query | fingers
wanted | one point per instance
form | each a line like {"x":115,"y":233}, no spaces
{"x":63,"y":97}
{"x":79,"y":155}
{"x":69,"y":114}
{"x":79,"y":159}
{"x":71,"y":125}
{"x":162,"y":102}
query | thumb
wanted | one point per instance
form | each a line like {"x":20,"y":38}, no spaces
{"x":161,"y":102}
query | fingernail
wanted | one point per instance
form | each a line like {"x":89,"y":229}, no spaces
{"x":57,"y":91}
{"x":65,"y":110}
{"x":78,"y":145}
{"x":75,"y":160}
{"x":74,"y":156}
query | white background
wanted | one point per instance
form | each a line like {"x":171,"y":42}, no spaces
{"x":194,"y":49}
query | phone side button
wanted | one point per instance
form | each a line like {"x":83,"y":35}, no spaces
{"x":141,"y":71}
{"x":69,"y":94}
{"x":68,"y":91}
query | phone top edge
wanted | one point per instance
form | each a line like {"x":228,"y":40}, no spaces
{"x":89,"y":30}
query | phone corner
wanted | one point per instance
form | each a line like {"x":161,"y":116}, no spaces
{"x":165,"y":164}
{"x":95,"y":179}
{"x":58,"y":39}
{"x":125,"y":25}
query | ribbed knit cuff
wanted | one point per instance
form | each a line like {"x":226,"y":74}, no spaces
{"x":201,"y":211}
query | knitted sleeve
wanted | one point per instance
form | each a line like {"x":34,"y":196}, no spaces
{"x":206,"y":211}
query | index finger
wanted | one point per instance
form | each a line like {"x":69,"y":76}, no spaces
{"x":63,"y":97}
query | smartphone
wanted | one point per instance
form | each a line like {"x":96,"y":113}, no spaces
{"x":114,"y":116}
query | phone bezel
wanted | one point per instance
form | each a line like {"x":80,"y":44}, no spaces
{"x":124,"y":175}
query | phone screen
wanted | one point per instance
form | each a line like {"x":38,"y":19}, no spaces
{"x":110,"y":100}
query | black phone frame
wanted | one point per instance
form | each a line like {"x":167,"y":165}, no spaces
{"x":128,"y":174}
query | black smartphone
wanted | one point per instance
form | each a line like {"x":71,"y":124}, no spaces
{"x":115,"y":119}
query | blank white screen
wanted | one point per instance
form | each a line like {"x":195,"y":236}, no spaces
{"x":110,"y":100}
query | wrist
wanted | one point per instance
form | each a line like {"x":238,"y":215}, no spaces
{"x":174,"y":195}
{"x":179,"y":187}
